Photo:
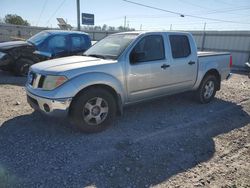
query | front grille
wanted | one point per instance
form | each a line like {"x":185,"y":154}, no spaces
{"x":31,"y":77}
{"x":40,"y":83}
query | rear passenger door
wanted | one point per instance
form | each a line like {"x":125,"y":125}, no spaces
{"x":184,"y":62}
{"x":57,"y":46}
{"x":78,"y":44}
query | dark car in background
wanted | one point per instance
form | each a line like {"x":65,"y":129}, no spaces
{"x":18,"y":56}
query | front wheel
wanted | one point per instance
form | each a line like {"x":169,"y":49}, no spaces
{"x":93,"y":110}
{"x":22,"y":65}
{"x":207,"y":89}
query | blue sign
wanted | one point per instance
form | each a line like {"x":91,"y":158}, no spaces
{"x":88,"y":19}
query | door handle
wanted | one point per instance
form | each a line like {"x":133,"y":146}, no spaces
{"x":191,"y":62}
{"x":164,"y":66}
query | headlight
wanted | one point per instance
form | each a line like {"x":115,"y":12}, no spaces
{"x":2,"y":55}
{"x":52,"y":82}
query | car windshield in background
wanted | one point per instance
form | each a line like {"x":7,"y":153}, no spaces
{"x":38,"y":38}
{"x":111,"y":47}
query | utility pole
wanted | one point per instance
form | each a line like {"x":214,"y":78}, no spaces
{"x":204,"y":28}
{"x":125,"y":22}
{"x":141,"y":27}
{"x":78,"y":14}
{"x":203,"y":37}
{"x":170,"y":27}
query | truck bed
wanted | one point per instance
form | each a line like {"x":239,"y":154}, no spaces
{"x":209,"y":53}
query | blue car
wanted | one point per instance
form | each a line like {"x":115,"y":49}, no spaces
{"x":18,"y":56}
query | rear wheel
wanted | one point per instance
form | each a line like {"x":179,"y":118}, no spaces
{"x":94,"y":110}
{"x":207,"y":89}
{"x":22,"y":66}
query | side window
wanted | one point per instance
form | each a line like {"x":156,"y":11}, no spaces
{"x":150,"y":48}
{"x":78,"y":42}
{"x":57,"y":44}
{"x":180,"y":46}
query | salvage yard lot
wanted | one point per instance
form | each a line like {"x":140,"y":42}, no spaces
{"x":169,"y":142}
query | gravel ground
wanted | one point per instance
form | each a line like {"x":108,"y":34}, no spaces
{"x":170,"y":142}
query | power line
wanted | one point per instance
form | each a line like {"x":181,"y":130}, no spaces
{"x":134,"y":19}
{"x":217,"y":11}
{"x":159,"y":18}
{"x":179,"y":23}
{"x":182,"y":15}
{"x":192,"y":4}
{"x":229,"y":10}
{"x":144,"y":16}
{"x":44,"y":4}
{"x":223,"y":2}
{"x":56,"y":11}
{"x":196,"y":13}
{"x":147,"y":6}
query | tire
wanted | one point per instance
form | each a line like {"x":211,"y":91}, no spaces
{"x":5,"y":68}
{"x":22,"y":65}
{"x":207,"y":89}
{"x":93,"y":110}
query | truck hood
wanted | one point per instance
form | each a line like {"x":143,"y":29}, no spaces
{"x":13,"y":44}
{"x":68,"y":63}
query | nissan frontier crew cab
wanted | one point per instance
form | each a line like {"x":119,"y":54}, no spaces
{"x":123,"y":69}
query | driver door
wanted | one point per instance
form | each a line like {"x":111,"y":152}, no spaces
{"x":147,"y":71}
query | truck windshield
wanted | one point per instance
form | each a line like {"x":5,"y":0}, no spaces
{"x":38,"y":38}
{"x":111,"y":47}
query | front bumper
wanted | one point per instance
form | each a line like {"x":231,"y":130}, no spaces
{"x":52,"y":107}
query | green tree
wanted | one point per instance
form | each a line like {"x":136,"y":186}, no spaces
{"x":104,"y":27}
{"x":15,"y":19}
{"x":121,"y":28}
{"x":98,"y":28}
{"x":110,"y":28}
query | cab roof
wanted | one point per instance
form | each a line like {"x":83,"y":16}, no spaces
{"x":151,"y":32}
{"x":64,"y":32}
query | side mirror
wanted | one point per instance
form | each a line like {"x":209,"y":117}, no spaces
{"x":46,"y":54}
{"x":137,"y":57}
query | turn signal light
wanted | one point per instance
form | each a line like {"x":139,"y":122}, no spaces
{"x":231,"y":61}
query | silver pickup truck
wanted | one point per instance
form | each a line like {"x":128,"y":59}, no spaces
{"x":123,"y":69}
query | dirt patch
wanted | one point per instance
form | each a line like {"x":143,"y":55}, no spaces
{"x":170,"y":142}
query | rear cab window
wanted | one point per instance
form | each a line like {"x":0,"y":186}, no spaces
{"x":180,"y":46}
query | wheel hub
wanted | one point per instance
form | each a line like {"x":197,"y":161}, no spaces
{"x":95,"y":110}
{"x":209,"y":89}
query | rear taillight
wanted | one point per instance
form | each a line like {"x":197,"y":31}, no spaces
{"x":231,"y":61}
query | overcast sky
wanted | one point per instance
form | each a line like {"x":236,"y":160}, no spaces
{"x":218,"y":14}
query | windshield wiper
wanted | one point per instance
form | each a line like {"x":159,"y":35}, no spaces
{"x":101,"y":56}
{"x":97,"y":55}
